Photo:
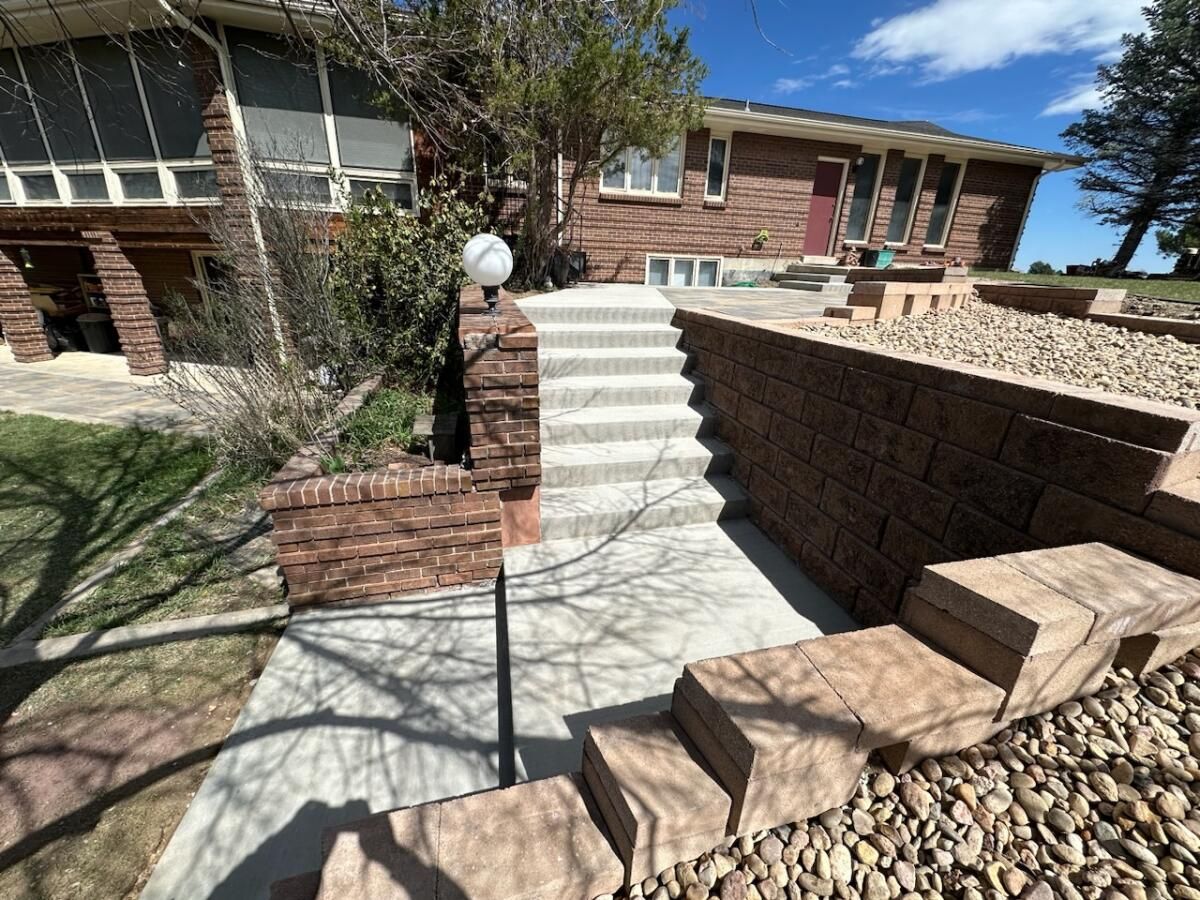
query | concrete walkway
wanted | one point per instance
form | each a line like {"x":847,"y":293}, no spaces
{"x":754,"y":303}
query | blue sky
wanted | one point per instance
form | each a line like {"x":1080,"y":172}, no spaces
{"x":1014,"y":70}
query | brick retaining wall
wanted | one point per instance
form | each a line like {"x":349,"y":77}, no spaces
{"x":867,"y":465}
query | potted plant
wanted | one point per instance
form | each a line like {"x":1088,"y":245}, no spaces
{"x":760,"y":239}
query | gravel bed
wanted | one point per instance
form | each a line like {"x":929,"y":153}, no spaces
{"x":1167,"y":309}
{"x":1090,"y":354}
{"x":1095,"y":801}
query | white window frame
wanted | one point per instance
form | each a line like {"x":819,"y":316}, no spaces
{"x":627,"y":191}
{"x":672,"y":257}
{"x":952,"y":208}
{"x":865,"y":240}
{"x":916,"y":201}
{"x":727,"y":137}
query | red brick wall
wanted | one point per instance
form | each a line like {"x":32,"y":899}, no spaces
{"x":865,"y":466}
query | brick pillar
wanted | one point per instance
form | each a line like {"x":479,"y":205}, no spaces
{"x":128,"y":304}
{"x":22,"y":325}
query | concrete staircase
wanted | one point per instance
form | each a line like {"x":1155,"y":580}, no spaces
{"x":829,"y":280}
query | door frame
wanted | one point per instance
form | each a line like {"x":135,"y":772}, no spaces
{"x":841,"y":195}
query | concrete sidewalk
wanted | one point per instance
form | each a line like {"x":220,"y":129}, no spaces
{"x":360,"y":709}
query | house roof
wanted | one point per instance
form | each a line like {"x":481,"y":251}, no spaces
{"x":894,"y":132}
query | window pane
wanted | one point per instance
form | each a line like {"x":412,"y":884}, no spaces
{"x":366,"y":137}
{"x":614,"y":172}
{"x":280,"y":97}
{"x":297,"y":186}
{"x":397,"y":191}
{"x":196,"y":184}
{"x":668,"y":170}
{"x":88,"y":187}
{"x":39,"y":187}
{"x":56,"y":92}
{"x":657,"y":271}
{"x":116,"y":104}
{"x":5,"y":193}
{"x":707,"y":274}
{"x":19,"y":136}
{"x":860,"y":202}
{"x":940,"y":216}
{"x":716,"y":167}
{"x":172,"y":96}
{"x":140,"y":185}
{"x":682,"y":276}
{"x":641,"y":170}
{"x":905,"y":191}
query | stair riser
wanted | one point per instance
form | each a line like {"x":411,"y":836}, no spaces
{"x":568,"y":366}
{"x":818,"y":270}
{"x":806,"y":276}
{"x":583,"y":398}
{"x":557,"y":528}
{"x":841,"y":290}
{"x":598,"y":315}
{"x":558,"y":434}
{"x":634,"y":470}
{"x":667,"y":339}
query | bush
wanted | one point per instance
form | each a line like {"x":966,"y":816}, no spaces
{"x":396,"y":280}
{"x":1042,"y":268}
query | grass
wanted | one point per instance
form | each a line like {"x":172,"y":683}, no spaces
{"x":1162,"y":289}
{"x":383,"y":423}
{"x":71,"y":495}
{"x":198,"y":564}
{"x":100,"y":758}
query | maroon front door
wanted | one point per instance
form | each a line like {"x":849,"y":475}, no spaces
{"x":821,"y":210}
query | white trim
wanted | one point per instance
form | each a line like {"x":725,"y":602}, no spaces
{"x":627,"y":191}
{"x":865,"y":240}
{"x":1025,"y":217}
{"x":952,"y":206}
{"x":912,"y":208}
{"x":837,"y":203}
{"x":671,"y":260}
{"x":727,"y":137}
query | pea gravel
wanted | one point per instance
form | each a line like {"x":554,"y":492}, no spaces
{"x":1090,"y":354}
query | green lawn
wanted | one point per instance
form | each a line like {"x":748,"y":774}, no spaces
{"x":1184,"y":291}
{"x":71,"y":495}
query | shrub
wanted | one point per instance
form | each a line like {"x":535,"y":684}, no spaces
{"x":1042,"y":268}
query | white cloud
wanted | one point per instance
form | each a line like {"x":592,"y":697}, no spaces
{"x":1074,"y":100}
{"x":845,"y":83}
{"x":837,"y":69}
{"x":795,"y":85}
{"x":950,"y":37}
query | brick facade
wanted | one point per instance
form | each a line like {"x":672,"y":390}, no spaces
{"x":866,"y":465}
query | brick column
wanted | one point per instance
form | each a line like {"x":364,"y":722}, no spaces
{"x":22,"y":326}
{"x":222,"y":137}
{"x":128,"y":304}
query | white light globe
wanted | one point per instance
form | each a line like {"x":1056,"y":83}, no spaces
{"x":487,"y":260}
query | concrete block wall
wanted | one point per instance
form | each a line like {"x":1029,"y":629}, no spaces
{"x":866,"y":465}
{"x":871,"y":301}
{"x":762,"y":738}
{"x":1077,"y":302}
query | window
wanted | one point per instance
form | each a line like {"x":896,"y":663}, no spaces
{"x":196,"y":184}
{"x":141,"y":185}
{"x":400,"y":192}
{"x":280,"y":96}
{"x":367,"y":139}
{"x":718,"y":152}
{"x":212,"y":271}
{"x":112,"y":92}
{"x":5,"y":193}
{"x":39,"y":187}
{"x":682,"y":271}
{"x":906,"y":192}
{"x":862,"y":200}
{"x":20,"y":139}
{"x":172,"y":97}
{"x":51,"y":75}
{"x":634,"y":171}
{"x":297,"y":186}
{"x":88,"y":187}
{"x":943,"y":205}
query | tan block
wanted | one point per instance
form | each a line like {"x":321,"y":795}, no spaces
{"x":392,"y":855}
{"x":890,"y":306}
{"x":917,"y":304}
{"x":1128,"y":594}
{"x":771,"y":799}
{"x":1021,"y":613}
{"x":854,"y":313}
{"x":899,"y":758}
{"x":656,"y":781}
{"x":770,"y":709}
{"x":865,"y":668}
{"x":1147,"y":652}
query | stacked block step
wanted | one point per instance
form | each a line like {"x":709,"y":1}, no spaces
{"x":883,"y":300}
{"x":625,"y":433}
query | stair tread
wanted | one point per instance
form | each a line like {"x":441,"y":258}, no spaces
{"x":630,"y":451}
{"x":610,"y":352}
{"x":607,"y":327}
{"x":596,"y":415}
{"x":634,"y":495}
{"x":670,"y":379}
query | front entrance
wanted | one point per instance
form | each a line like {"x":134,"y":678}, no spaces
{"x":822,"y":209}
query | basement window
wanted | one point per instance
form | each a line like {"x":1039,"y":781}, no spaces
{"x":682,"y":271}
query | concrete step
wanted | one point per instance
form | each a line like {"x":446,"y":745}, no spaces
{"x":839,"y":290}
{"x":1178,"y":506}
{"x":619,"y":390}
{"x":814,"y":277}
{"x":567,"y":363}
{"x":602,"y":424}
{"x":819,"y":260}
{"x":561,"y":335}
{"x":800,"y":268}
{"x":599,"y":509}
{"x":627,"y":304}
{"x":574,"y":465}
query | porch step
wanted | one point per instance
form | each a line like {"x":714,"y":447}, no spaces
{"x":838,"y":290}
{"x":576,"y":465}
{"x":814,"y":277}
{"x":819,"y":260}
{"x":634,"y":305}
{"x":566,"y":363}
{"x":562,"y":335}
{"x":577,"y":392}
{"x":639,"y":505}
{"x":812,"y":269}
{"x":588,"y":425}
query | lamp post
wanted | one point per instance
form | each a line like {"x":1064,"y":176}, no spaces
{"x":488,"y":262}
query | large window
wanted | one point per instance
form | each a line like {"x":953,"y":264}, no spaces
{"x":906,"y":195}
{"x":862,"y":200}
{"x":52,"y":79}
{"x":367,"y":139}
{"x":943,"y":205}
{"x":718,"y":168}
{"x":108,"y":79}
{"x":635,"y":171}
{"x":172,"y":98}
{"x":20,"y":137}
